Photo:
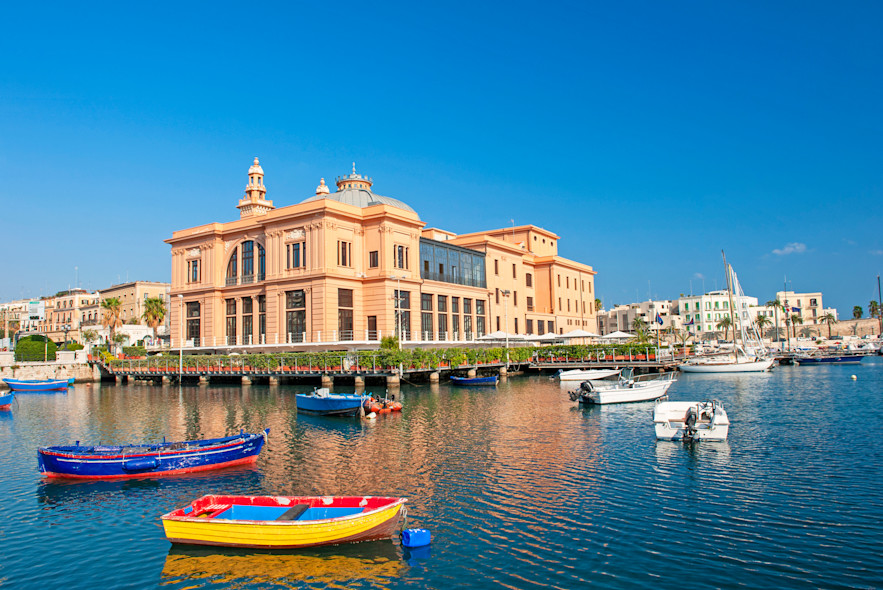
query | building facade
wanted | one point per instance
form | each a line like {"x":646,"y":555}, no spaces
{"x":352,"y":265}
{"x":700,"y":314}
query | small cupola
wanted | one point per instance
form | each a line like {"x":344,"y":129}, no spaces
{"x":354,"y":181}
{"x":254,"y":201}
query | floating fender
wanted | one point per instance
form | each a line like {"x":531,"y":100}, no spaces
{"x":416,"y":537}
{"x":140,"y":464}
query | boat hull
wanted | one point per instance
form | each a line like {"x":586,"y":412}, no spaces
{"x":474,"y":380}
{"x":669,"y":419}
{"x":587,"y":375}
{"x":37,"y":385}
{"x":330,"y":405}
{"x":367,"y":524}
{"x":833,"y":360}
{"x":151,"y":461}
{"x":618,"y":395}
{"x":741,"y":367}
{"x":6,"y":401}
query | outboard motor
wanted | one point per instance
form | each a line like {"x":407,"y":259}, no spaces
{"x":690,"y":425}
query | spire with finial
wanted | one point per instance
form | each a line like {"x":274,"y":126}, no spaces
{"x":354,"y":180}
{"x":254,"y":201}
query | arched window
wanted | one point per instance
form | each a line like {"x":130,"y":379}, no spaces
{"x":245,"y":251}
{"x":233,"y":268}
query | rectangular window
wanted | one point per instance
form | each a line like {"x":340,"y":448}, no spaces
{"x":528,"y":280}
{"x":262,"y":319}
{"x":498,"y":323}
{"x":528,"y":324}
{"x":529,"y":305}
{"x":568,"y":305}
{"x":231,"y":321}
{"x":515,"y":298}
{"x":443,"y":303}
{"x":193,"y":322}
{"x":559,"y":304}
{"x":516,"y":325}
{"x":295,"y":315}
{"x":514,"y":272}
{"x":559,"y":280}
{"x":479,"y":307}
{"x":455,"y":305}
{"x":442,"y":326}
{"x":194,"y":271}
{"x":479,"y":326}
{"x":345,"y":314}
{"x":567,"y":281}
{"x":373,"y":259}
{"x":426,"y":302}
{"x":467,"y":327}
{"x":401,"y":256}
{"x":344,"y":253}
{"x":540,"y":324}
{"x":467,"y":306}
{"x":497,"y":294}
{"x":455,"y":327}
{"x":426,"y":326}
{"x":496,"y":266}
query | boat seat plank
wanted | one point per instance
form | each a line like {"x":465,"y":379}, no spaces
{"x":294,"y":512}
{"x":332,"y":512}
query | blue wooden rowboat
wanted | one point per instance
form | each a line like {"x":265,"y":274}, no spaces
{"x":37,"y":385}
{"x":150,"y":460}
{"x":6,"y":401}
{"x":323,"y":403}
{"x":474,"y":380}
{"x":841,"y":359}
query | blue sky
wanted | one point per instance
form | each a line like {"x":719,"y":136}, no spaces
{"x":648,"y":135}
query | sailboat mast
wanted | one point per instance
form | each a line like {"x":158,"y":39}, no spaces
{"x":730,"y":296}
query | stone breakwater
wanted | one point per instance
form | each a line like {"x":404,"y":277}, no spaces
{"x":53,"y":370}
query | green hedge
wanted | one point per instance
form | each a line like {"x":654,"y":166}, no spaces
{"x":35,"y":348}
{"x":383,"y":359}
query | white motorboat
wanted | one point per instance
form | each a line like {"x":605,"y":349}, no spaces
{"x":691,"y":421}
{"x":586,"y":374}
{"x":640,"y":389}
{"x":741,"y":364}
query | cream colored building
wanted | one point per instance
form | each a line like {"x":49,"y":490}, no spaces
{"x":352,"y":265}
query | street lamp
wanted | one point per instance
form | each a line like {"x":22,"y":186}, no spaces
{"x":505,"y":294}
{"x":181,"y":339}
{"x":66,"y":329}
{"x":398,"y":309}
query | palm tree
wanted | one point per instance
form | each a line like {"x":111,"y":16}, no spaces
{"x":638,"y":324}
{"x":857,"y":312}
{"x":761,"y":322}
{"x":154,"y":312}
{"x":829,"y":319}
{"x":113,"y":309}
{"x":806,"y":332}
{"x":777,"y":306}
{"x":726,"y":323}
{"x":598,"y":305}
{"x":795,"y":321}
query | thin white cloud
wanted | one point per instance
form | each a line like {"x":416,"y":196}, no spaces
{"x":792,"y":248}
{"x":877,"y":252}
{"x":699,"y":275}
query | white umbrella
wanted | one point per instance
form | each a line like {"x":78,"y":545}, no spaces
{"x":579,"y":334}
{"x":617,"y":336}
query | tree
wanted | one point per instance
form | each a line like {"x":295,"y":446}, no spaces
{"x":796,"y":320}
{"x":598,"y":305}
{"x":776,"y":305}
{"x":154,"y":312}
{"x":726,"y":323}
{"x":829,"y":319}
{"x":806,"y":332}
{"x":638,"y":324}
{"x":113,"y":309}
{"x":761,"y":322}
{"x":857,"y":312}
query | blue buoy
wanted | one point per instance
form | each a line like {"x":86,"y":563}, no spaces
{"x":416,"y":537}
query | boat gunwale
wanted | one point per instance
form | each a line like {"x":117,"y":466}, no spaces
{"x":397,"y":501}
{"x":208,"y":445}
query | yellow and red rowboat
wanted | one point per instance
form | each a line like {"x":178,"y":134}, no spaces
{"x":283,"y":522}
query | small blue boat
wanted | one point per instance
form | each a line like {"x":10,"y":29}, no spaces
{"x":838,"y":359}
{"x":474,"y":380}
{"x":6,"y":401}
{"x":36,"y":385}
{"x":150,"y":460}
{"x":323,"y":403}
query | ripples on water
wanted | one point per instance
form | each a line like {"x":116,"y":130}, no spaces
{"x":520,"y":487}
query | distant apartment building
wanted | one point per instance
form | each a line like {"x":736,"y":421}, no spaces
{"x":66,"y":316}
{"x":622,"y":317}
{"x":806,"y":305}
{"x":700,"y":314}
{"x":353,"y":265}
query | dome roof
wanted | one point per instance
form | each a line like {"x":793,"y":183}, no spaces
{"x":360,"y":197}
{"x":255,"y":168}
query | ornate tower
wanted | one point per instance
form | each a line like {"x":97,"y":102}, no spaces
{"x":254,"y":203}
{"x":354,"y":181}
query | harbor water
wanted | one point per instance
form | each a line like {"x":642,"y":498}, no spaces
{"x":520,"y":487}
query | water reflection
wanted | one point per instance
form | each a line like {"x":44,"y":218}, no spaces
{"x":375,"y":564}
